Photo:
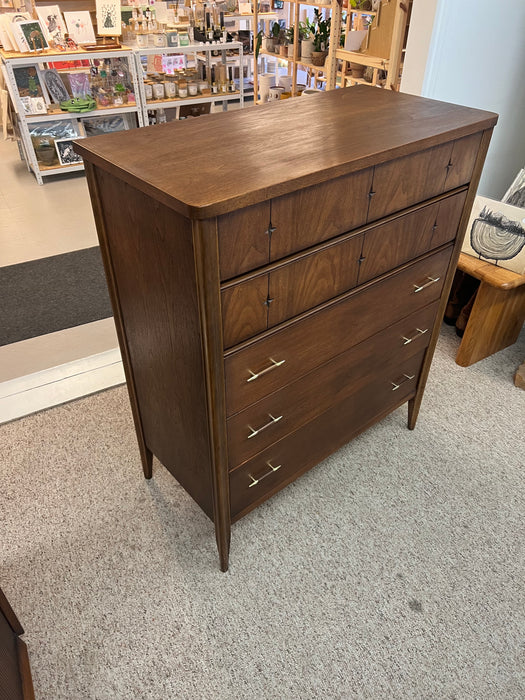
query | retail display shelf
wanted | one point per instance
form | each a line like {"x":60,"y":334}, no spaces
{"x":201,"y":99}
{"x":191,"y":48}
{"x":59,"y":169}
{"x":29,"y":59}
{"x":56,"y":116}
{"x":300,"y":61}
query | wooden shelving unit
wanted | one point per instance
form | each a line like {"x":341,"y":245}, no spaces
{"x":382,"y":49}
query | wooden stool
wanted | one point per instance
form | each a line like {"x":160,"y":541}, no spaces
{"x":498,"y":312}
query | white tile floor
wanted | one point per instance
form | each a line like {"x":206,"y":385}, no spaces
{"x":36,"y":222}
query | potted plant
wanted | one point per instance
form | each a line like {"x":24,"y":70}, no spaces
{"x":306,"y":35}
{"x":321,"y":38}
{"x":290,"y":33}
{"x":274,"y":37}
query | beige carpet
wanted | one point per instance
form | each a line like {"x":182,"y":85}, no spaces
{"x":394,"y":569}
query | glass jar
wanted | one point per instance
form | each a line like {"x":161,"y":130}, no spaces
{"x":158,"y":91}
{"x":172,"y":38}
{"x":159,"y":39}
{"x":183,"y":88}
{"x":148,"y":89}
{"x":142,"y":40}
{"x":170,"y":88}
{"x":192,"y":88}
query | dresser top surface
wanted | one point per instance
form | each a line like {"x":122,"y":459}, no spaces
{"x":224,"y":161}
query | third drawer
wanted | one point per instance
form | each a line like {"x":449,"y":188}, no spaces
{"x":282,"y":462}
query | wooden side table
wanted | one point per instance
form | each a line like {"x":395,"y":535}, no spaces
{"x":498,"y":312}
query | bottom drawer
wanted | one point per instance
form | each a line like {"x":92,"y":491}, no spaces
{"x":280,"y":464}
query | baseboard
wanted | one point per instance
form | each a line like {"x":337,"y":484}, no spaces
{"x":51,"y":387}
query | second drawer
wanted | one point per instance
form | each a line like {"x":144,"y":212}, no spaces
{"x":290,"y":352}
{"x":285,"y":410}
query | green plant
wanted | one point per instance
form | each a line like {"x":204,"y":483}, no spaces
{"x":289,"y":33}
{"x":306,"y":29}
{"x":361,"y":4}
{"x":258,"y":43}
{"x":322,"y":31}
{"x":276,"y":28}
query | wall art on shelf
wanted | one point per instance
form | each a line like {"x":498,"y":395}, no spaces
{"x":52,"y":22}
{"x":38,"y":105}
{"x":55,"y":86}
{"x":28,"y":81}
{"x":93,"y":126}
{"x":29,"y":35}
{"x":515,"y":195}
{"x":80,"y":27}
{"x":66,"y":153}
{"x":7,"y":37}
{"x":496,"y":233}
{"x":108,"y":17}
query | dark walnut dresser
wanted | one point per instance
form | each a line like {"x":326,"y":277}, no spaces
{"x":278,"y":277}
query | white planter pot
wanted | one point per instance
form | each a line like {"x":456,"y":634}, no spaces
{"x":266,"y":80}
{"x":307,"y":46}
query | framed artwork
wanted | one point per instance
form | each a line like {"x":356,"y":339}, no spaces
{"x":94,"y":126}
{"x":515,"y":195}
{"x":38,"y":105}
{"x":52,"y":22}
{"x":66,"y":153}
{"x":108,"y":17}
{"x":55,"y":87}
{"x":496,"y":233}
{"x":29,"y":35}
{"x":7,"y":35}
{"x":27,"y":81}
{"x":80,"y":27}
{"x":277,"y":4}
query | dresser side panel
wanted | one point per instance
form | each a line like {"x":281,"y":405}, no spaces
{"x":151,"y":250}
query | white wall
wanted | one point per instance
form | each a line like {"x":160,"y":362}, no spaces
{"x":476,"y":57}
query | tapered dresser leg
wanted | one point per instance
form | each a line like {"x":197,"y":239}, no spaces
{"x":147,"y":461}
{"x":413,"y":412}
{"x":223,"y":545}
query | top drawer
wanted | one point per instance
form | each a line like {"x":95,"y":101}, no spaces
{"x":257,"y":235}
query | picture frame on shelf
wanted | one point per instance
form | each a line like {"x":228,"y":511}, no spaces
{"x":94,"y":126}
{"x":38,"y":105}
{"x":80,"y":27}
{"x":52,"y":22}
{"x":29,"y":35}
{"x":56,"y":89}
{"x":28,"y":81}
{"x":66,"y":153}
{"x":7,"y":36}
{"x":496,"y":234}
{"x":277,"y":4}
{"x":109,"y":22}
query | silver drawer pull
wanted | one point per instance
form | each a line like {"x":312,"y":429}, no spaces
{"x":263,"y":427}
{"x":419,"y":333}
{"x":274,"y":364}
{"x":408,"y":377}
{"x":432,"y":280}
{"x":256,"y":481}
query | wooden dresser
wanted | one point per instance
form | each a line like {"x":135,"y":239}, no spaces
{"x":278,"y":277}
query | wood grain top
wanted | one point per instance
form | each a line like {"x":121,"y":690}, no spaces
{"x":494,"y":275}
{"x":220,"y":162}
